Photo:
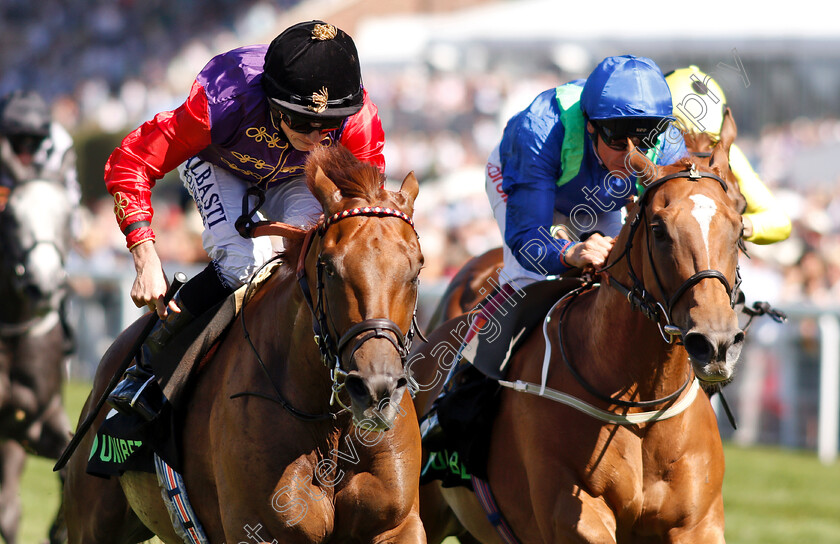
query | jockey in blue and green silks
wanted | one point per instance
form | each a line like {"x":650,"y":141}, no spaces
{"x":562,"y":161}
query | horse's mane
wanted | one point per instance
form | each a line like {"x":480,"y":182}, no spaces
{"x":352,"y":177}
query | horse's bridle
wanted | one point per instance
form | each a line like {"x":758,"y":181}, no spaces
{"x":16,"y":256}
{"x":641,"y":300}
{"x":330,"y":348}
{"x":636,"y":295}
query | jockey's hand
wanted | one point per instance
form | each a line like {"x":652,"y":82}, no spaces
{"x":592,"y":252}
{"x":150,"y":285}
{"x":748,"y":227}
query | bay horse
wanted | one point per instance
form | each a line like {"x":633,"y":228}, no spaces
{"x":35,"y":227}
{"x":266,"y":453}
{"x":617,"y":470}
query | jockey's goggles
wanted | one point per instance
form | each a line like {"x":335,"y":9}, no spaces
{"x":615,"y":132}
{"x":304,"y":125}
{"x":25,"y":144}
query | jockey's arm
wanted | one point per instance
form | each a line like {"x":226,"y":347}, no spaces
{"x":764,"y":216}
{"x":145,"y":156}
{"x":530,"y":212}
{"x":531,"y":166}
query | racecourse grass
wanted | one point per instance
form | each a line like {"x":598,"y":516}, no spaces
{"x":771,"y":496}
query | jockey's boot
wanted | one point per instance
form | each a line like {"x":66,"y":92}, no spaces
{"x":139,"y":392}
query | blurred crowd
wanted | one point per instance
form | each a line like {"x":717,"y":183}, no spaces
{"x":112,"y":64}
{"x":447,"y":151}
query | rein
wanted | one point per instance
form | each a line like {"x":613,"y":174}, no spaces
{"x":616,"y":400}
{"x":329,"y":348}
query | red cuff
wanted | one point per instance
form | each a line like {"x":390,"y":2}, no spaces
{"x":138,"y":236}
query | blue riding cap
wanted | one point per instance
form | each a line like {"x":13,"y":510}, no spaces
{"x":626,"y":86}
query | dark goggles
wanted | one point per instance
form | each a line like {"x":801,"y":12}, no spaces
{"x":25,"y":143}
{"x":303,"y":125}
{"x":616,"y":133}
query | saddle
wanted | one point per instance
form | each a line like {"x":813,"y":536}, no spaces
{"x":125,"y":444}
{"x":467,"y":411}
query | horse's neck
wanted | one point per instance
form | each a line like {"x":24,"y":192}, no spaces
{"x":286,"y":331}
{"x":619,"y":349}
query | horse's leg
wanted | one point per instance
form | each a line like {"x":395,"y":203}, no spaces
{"x":54,"y":437}
{"x":470,"y":514}
{"x":12,"y":461}
{"x":593,"y":522}
{"x":409,"y":531}
{"x":55,"y":430}
{"x":96,"y":510}
{"x":58,"y":529}
{"x":438,"y":518}
{"x":709,"y":528}
{"x":144,"y":497}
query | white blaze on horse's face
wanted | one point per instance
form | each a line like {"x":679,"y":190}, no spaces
{"x":704,"y":210}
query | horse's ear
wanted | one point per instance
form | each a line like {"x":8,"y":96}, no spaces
{"x":720,"y":160}
{"x":728,"y":131}
{"x":640,"y":165}
{"x":326,"y":192}
{"x":410,"y":187}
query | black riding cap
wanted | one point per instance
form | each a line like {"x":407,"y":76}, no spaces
{"x":312,"y":69}
{"x":24,"y":113}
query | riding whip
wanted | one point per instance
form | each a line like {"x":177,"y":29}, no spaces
{"x":179,"y":280}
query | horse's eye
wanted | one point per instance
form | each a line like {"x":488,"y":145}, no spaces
{"x":658,"y":230}
{"x":328,"y":266}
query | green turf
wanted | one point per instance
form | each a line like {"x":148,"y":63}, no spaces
{"x":771,"y":496}
{"x":777,"y":496}
{"x":40,"y":487}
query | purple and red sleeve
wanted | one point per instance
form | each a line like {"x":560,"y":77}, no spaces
{"x":147,"y":154}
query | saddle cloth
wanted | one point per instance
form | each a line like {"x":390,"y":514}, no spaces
{"x":123,"y":443}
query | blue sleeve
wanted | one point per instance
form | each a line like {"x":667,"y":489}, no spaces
{"x":531,"y":165}
{"x":673,"y":146}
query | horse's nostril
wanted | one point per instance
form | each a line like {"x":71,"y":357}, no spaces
{"x":402,"y":382}
{"x":739,"y":338}
{"x":33,"y":291}
{"x":357,"y":388}
{"x":698,"y":347}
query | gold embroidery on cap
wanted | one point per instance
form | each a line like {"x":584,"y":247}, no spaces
{"x":324,"y":32}
{"x":319,"y":99}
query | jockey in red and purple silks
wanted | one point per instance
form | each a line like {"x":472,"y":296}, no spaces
{"x":227,"y":122}
{"x":252,"y":117}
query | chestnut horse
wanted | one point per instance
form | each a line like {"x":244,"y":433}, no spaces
{"x":266,"y":452}
{"x":477,"y":278}
{"x":619,"y":471}
{"x":34,"y":242}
